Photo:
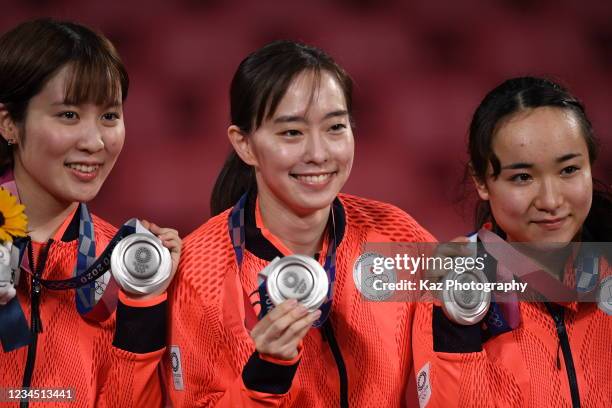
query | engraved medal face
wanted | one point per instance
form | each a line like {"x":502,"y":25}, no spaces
{"x":465,"y":306}
{"x":297,"y":277}
{"x":141,"y":264}
{"x":364,"y":277}
{"x":605,"y":296}
{"x":142,"y":259}
{"x":295,"y":281}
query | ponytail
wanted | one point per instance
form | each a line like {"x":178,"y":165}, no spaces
{"x":235,"y":179}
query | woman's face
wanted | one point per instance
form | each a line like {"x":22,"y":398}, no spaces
{"x":303,"y":154}
{"x":544,"y":191}
{"x":68,"y":150}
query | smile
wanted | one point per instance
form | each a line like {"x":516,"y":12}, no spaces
{"x":552,"y":224}
{"x":83,"y":168}
{"x":321,"y":178}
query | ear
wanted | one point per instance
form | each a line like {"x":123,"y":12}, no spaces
{"x":481,"y":185}
{"x":242,"y":145}
{"x":8,"y":127}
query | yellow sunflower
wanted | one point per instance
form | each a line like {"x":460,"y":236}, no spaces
{"x":13,"y":221}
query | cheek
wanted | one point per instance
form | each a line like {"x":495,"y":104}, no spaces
{"x":275,"y":158}
{"x":113,"y":141}
{"x":343,"y":150}
{"x":509,"y":203}
{"x":46,"y":143}
{"x":580,"y":194}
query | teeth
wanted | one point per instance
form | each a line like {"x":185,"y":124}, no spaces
{"x":83,"y":168}
{"x":321,"y":178}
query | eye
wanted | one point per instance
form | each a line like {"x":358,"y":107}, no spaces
{"x":338,"y":127}
{"x":111,"y":116}
{"x":70,"y":115}
{"x":521,"y":178}
{"x":291,"y":132}
{"x":569,"y":170}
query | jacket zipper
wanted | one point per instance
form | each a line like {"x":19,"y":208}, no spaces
{"x":557,"y":313}
{"x":36,"y":322}
{"x":328,"y":331}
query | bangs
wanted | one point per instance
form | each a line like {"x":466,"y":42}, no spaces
{"x":279,"y":89}
{"x":96,"y":78}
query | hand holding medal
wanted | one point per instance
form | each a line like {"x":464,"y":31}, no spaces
{"x":144,"y":263}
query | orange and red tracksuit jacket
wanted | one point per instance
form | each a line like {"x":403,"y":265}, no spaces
{"x":560,"y":355}
{"x":109,"y":364}
{"x":361,"y":356}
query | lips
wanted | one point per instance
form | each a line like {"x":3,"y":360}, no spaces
{"x":83,"y":167}
{"x":314,"y":178}
{"x":84,"y":171}
{"x":551,"y":224}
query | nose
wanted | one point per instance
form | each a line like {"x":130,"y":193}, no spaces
{"x":550,"y":196}
{"x":91,"y":139}
{"x":316,"y":149}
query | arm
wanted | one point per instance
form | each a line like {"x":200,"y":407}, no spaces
{"x":138,"y":346}
{"x":450,"y":365}
{"x":207,"y":374}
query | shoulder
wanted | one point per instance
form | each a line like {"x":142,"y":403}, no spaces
{"x":103,"y":229}
{"x":384,"y":219}
{"x":207,"y":252}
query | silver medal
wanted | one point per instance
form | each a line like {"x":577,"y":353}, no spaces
{"x":604,"y":300}
{"x":465,"y":307}
{"x":296,"y":277}
{"x":141,"y":264}
{"x":364,"y":277}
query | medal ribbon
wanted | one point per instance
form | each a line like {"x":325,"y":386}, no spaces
{"x":237,"y":232}
{"x":92,"y":304}
{"x":504,"y":314}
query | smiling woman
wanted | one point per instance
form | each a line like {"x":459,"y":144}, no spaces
{"x":531,"y":148}
{"x":279,"y":195}
{"x":62,"y":88}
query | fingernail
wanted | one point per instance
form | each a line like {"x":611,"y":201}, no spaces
{"x":292,"y":302}
{"x":316,"y":315}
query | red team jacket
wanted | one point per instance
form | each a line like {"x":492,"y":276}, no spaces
{"x":558,"y":352}
{"x":362,"y":355}
{"x":82,"y":355}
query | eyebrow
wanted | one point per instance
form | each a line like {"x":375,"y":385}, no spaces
{"x":515,"y":166}
{"x":108,"y":106}
{"x":296,"y":118}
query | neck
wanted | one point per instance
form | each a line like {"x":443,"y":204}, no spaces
{"x":45,"y":213}
{"x":301,"y":233}
{"x":554,"y":261}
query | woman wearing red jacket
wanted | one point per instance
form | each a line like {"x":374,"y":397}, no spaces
{"x":531,"y":148}
{"x":62,"y":88}
{"x":278,"y":195}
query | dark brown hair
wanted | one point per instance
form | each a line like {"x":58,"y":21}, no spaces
{"x":515,"y":95}
{"x":32,"y":52}
{"x":258,"y":86}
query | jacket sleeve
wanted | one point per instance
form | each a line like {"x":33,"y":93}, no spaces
{"x":138,"y":345}
{"x":203,"y":372}
{"x":450,"y":365}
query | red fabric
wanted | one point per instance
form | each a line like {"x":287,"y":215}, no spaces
{"x":519,"y":368}
{"x":78,"y":354}
{"x":208,"y":315}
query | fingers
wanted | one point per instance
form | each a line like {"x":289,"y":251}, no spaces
{"x":276,"y":313}
{"x":296,"y":331}
{"x":279,"y":334}
{"x":278,"y":326}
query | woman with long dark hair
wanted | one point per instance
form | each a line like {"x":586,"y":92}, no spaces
{"x":531,"y":151}
{"x":278,"y":195}
{"x":62,"y":88}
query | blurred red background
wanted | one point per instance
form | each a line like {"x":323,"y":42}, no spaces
{"x":420,"y":70}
